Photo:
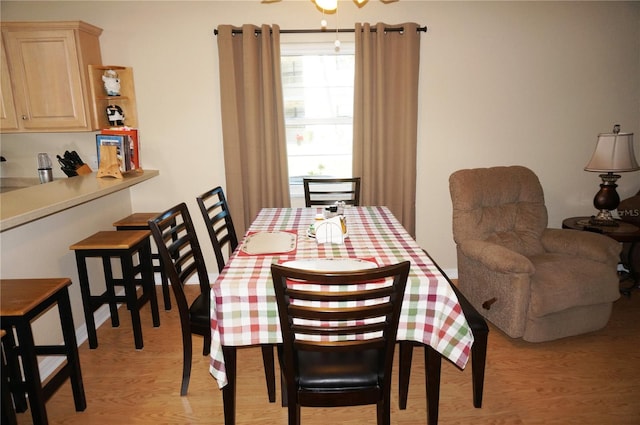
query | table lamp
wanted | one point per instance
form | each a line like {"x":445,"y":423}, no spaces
{"x":613,"y":154}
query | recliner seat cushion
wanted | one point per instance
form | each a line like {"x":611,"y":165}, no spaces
{"x":554,"y":289}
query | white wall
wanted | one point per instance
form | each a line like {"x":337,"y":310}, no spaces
{"x":501,"y":83}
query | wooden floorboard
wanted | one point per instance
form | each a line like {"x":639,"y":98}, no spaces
{"x":588,"y":379}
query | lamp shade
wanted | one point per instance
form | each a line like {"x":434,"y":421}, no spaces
{"x":613,"y":154}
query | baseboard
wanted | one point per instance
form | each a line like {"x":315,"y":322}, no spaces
{"x":451,"y":273}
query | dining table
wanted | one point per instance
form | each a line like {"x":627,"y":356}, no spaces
{"x":243,"y":304}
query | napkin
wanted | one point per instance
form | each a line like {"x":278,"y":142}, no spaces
{"x":330,"y":231}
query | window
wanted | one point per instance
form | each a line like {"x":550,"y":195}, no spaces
{"x":318,"y":103}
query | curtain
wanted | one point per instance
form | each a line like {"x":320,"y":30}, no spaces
{"x":253,"y":131}
{"x":385,"y":117}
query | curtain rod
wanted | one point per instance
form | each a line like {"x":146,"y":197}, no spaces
{"x":326,"y":30}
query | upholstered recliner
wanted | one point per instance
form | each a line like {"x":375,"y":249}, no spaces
{"x":530,"y":281}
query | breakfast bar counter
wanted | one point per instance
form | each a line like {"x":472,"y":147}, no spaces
{"x":22,"y":206}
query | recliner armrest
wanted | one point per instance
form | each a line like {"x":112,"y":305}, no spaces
{"x":496,"y":257}
{"x":591,"y":245}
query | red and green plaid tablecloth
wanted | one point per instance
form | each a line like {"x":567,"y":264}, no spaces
{"x":243,"y":304}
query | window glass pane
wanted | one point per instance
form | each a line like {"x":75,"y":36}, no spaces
{"x":318,"y":102}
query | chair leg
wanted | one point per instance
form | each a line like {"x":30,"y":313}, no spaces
{"x":294,"y":413}
{"x":478,"y":361}
{"x":404,"y":366}
{"x":269,"y":371}
{"x":383,"y":411}
{"x":206,"y":347}
{"x":433,"y":365}
{"x":186,"y":360}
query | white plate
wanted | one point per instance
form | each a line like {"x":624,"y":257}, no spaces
{"x":331,"y":264}
{"x":269,"y":243}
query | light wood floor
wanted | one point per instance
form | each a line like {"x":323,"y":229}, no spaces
{"x":589,"y":379}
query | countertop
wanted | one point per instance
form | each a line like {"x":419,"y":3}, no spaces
{"x":21,"y":206}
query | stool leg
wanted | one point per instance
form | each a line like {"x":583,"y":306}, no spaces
{"x":8,"y":412}
{"x":33,"y":384}
{"x":15,"y":374}
{"x":71,"y":348}
{"x":87,"y":303}
{"x":129,"y":282}
{"x":111,"y":291}
{"x":148,"y":284}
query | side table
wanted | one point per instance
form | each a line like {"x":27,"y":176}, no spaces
{"x":624,"y":233}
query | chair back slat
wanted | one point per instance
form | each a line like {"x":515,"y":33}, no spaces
{"x":339,"y":311}
{"x":180,"y":252}
{"x":217,"y":217}
{"x":326,"y":191}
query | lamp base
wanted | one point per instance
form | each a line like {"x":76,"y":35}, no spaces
{"x":606,"y":200}
{"x":603,"y":218}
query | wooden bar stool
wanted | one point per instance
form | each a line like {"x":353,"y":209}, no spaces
{"x":124,"y":245}
{"x":140,"y":221}
{"x":22,"y":301}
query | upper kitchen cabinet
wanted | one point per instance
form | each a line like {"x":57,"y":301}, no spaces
{"x":8,"y":119}
{"x":48,"y":76}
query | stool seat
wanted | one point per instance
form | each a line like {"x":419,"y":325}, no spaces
{"x":124,"y":245}
{"x":22,"y":301}
{"x":112,"y":240}
{"x":140,"y":221}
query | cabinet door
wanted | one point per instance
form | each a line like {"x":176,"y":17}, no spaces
{"x":8,"y":119}
{"x":45,"y":69}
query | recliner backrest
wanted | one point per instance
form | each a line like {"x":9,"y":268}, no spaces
{"x":504,"y":205}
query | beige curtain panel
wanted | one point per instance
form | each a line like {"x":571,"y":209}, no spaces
{"x":253,"y":131}
{"x":385,"y":117}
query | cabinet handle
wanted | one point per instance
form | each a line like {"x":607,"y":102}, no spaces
{"x":24,"y":117}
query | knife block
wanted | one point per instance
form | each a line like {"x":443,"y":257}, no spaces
{"x":109,"y":162}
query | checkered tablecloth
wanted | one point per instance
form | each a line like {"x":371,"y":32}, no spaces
{"x":243,"y":304}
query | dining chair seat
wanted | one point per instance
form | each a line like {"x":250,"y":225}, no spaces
{"x":338,"y":371}
{"x":199,"y":311}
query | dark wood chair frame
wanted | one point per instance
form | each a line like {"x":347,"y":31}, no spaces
{"x":433,"y":360}
{"x":363,"y":363}
{"x":180,"y":252}
{"x":217,"y":218}
{"x":326,"y":196}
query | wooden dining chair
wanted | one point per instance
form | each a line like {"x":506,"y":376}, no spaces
{"x":181,"y":256}
{"x":432,"y":358}
{"x":217,"y":218}
{"x":326,"y":191}
{"x":338,"y":336}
